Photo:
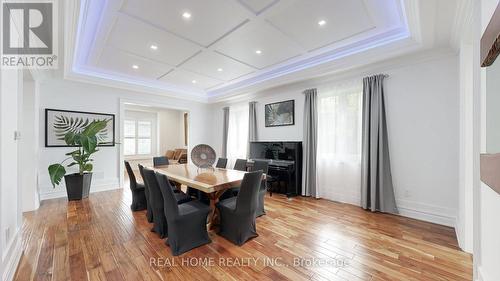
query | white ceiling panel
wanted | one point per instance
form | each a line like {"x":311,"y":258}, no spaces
{"x":228,"y":45}
{"x":185,"y":78}
{"x":244,"y":43}
{"x":212,"y":64}
{"x":137,"y":37}
{"x":319,"y":23}
{"x":257,"y":6}
{"x":209,"y":19}
{"x":113,"y":60}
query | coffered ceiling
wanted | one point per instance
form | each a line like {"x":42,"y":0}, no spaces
{"x":208,"y":48}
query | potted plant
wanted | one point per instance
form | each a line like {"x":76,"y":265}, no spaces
{"x":86,"y":141}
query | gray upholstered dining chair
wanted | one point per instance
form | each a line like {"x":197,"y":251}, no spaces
{"x":139,"y":199}
{"x":159,"y":221}
{"x":149,"y":212}
{"x":221,"y":163}
{"x":160,"y":161}
{"x":240,"y":165}
{"x":187,"y":223}
{"x":237,"y":214}
{"x":261,"y":165}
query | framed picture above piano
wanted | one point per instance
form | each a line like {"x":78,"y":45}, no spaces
{"x":280,"y":113}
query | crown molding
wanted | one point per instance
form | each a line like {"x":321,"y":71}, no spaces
{"x":342,"y":74}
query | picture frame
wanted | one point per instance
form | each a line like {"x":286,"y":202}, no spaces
{"x":58,"y":122}
{"x":280,"y":113}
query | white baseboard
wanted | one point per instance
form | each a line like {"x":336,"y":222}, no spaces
{"x":97,"y":186}
{"x":426,"y":212}
{"x":12,"y":258}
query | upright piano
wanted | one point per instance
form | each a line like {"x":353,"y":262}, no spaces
{"x":285,"y":162}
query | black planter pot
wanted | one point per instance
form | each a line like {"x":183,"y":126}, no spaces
{"x":78,"y":186}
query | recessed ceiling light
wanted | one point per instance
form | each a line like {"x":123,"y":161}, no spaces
{"x":135,"y":66}
{"x":219,"y":69}
{"x":186,"y":15}
{"x":258,"y":52}
{"x":321,"y":22}
{"x":194,"y":82}
{"x":154,"y":47}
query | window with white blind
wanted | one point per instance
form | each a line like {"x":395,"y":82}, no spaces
{"x":138,"y":137}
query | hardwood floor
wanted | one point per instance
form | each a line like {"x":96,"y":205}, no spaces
{"x":304,"y":239}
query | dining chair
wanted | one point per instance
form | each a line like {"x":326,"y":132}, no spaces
{"x":237,"y":214}
{"x":159,"y":221}
{"x":240,"y":165}
{"x":139,"y":199}
{"x":221,"y":163}
{"x":149,"y":212}
{"x":187,"y":223}
{"x":261,"y":165}
{"x":160,"y":161}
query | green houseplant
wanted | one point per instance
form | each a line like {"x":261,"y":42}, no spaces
{"x":86,"y":141}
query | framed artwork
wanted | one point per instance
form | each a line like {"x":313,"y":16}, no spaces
{"x":59,"y":122}
{"x":280,"y":113}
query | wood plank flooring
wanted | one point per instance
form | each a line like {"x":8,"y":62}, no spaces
{"x":305,"y":239}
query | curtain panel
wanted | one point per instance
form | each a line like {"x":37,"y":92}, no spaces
{"x":310,"y":143}
{"x":237,"y":133}
{"x":252,"y":124}
{"x":339,"y":142}
{"x":377,"y":191}
{"x":225,"y":130}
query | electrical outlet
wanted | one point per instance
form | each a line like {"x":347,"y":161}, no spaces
{"x":17,"y":135}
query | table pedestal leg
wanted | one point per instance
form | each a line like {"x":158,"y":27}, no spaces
{"x":213,"y":216}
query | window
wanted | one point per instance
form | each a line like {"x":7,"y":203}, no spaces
{"x":237,"y":140}
{"x":339,"y":142}
{"x":138,"y":137}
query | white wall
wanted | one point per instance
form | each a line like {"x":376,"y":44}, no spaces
{"x":168,"y":131}
{"x":493,"y":108}
{"x":487,"y":205}
{"x":64,"y":94}
{"x":423,"y":122}
{"x":29,"y":147}
{"x":11,"y":93}
{"x":171,"y":130}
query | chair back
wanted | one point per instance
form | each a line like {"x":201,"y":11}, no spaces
{"x":131,"y":176}
{"x":260,"y":165}
{"x":155,"y":197}
{"x":169,"y":202}
{"x":141,"y":171}
{"x":160,"y":161}
{"x":248,"y":196}
{"x":221,"y":163}
{"x":240,"y":165}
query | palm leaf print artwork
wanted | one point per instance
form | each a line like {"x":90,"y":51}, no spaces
{"x":61,"y":122}
{"x":64,"y":124}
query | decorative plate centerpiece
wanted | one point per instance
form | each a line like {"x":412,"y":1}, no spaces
{"x":203,"y":156}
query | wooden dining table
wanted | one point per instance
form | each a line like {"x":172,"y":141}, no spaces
{"x":212,"y":181}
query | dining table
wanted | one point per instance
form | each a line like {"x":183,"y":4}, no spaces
{"x":212,"y":181}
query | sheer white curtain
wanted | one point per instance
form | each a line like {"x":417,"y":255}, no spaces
{"x":339,"y":142}
{"x":237,"y":137}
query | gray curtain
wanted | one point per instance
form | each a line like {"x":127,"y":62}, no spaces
{"x":252,"y":124}
{"x":377,"y":192}
{"x":225,"y":128}
{"x":310,"y":143}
